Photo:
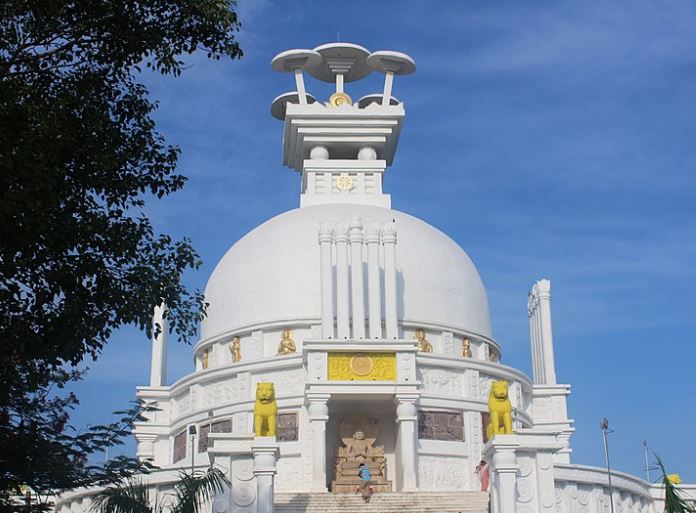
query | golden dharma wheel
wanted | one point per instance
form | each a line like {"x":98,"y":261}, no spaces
{"x":361,"y":364}
{"x":338,"y":99}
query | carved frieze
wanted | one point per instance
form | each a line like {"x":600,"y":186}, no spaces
{"x":440,"y":381}
{"x":441,"y":473}
{"x":362,"y":366}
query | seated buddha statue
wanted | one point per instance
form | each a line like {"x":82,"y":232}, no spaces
{"x":360,"y":447}
{"x":287,"y":345}
{"x":423,"y":344}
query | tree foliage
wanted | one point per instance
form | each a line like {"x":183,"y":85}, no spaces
{"x":674,"y":502}
{"x":191,"y":493}
{"x":79,"y":157}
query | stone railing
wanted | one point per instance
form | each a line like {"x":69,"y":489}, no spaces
{"x":586,"y":488}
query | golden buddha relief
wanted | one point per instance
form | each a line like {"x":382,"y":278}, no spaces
{"x":236,"y":350}
{"x":466,"y":348}
{"x":287,"y":344}
{"x":493,"y":354}
{"x":423,"y":344}
{"x":204,"y":359}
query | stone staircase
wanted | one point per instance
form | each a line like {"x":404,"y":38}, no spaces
{"x":399,"y":502}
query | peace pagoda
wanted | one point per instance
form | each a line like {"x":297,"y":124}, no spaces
{"x":374,"y":329}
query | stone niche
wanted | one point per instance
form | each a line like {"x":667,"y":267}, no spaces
{"x":441,"y":425}
{"x":358,"y":436}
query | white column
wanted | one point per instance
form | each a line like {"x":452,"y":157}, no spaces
{"x":318,"y":416}
{"x":388,"y":82}
{"x":390,"y":290}
{"x":327,"y":310}
{"x":265,"y":452}
{"x":407,"y":421}
{"x":540,"y":346}
{"x":339,"y":83}
{"x":534,"y":345}
{"x":299,"y":81}
{"x":504,"y":469}
{"x":342,"y":281}
{"x":158,"y":367}
{"x":374,"y":287}
{"x":548,"y":364}
{"x":356,"y":278}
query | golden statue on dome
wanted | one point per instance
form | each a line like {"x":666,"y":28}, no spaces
{"x":466,"y":348}
{"x":424,"y":345}
{"x":287,"y":344}
{"x":236,"y":350}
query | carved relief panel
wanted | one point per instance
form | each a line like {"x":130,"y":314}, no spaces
{"x":441,"y":425}
{"x":287,"y":427}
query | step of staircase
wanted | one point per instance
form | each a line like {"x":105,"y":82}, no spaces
{"x":394,"y":502}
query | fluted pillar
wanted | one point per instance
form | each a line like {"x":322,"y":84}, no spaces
{"x":342,"y":282}
{"x":544,"y":288}
{"x":356,"y":278}
{"x":160,"y":335}
{"x":318,"y":416}
{"x":390,"y":282}
{"x":327,"y":310}
{"x":374,"y":287}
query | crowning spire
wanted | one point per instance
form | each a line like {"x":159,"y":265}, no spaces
{"x":342,"y":148}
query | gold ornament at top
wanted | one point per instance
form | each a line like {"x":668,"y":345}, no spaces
{"x":287,"y":344}
{"x":236,"y":350}
{"x":466,"y":348}
{"x":204,"y":359}
{"x":344,"y":183}
{"x":423,"y":345}
{"x":338,"y":99}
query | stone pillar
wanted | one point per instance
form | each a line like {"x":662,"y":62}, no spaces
{"x":390,"y":284}
{"x":407,"y":422}
{"x":318,"y":416}
{"x":265,"y":452}
{"x":545,"y":481}
{"x":342,"y":282}
{"x":158,"y":368}
{"x":327,"y":310}
{"x":544,"y":291}
{"x":502,"y":457}
{"x":374,"y":287}
{"x":356,"y":278}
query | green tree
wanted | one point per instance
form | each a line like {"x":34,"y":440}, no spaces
{"x":191,"y":493}
{"x":79,"y":157}
{"x":674,"y":502}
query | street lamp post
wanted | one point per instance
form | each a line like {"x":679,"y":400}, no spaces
{"x":604,"y":426}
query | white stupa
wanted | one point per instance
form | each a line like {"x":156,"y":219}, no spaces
{"x":366,"y":319}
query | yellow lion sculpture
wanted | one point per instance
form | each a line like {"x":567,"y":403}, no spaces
{"x":500,"y":409}
{"x":265,"y":410}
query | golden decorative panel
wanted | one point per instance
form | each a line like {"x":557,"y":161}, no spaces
{"x":362,"y":366}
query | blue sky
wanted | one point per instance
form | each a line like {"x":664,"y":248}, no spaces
{"x":548,"y":138}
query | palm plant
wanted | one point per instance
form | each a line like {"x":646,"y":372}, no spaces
{"x":674,"y":502}
{"x":191,"y":493}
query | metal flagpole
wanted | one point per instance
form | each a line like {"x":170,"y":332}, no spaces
{"x":647,"y":465}
{"x":604,"y":426}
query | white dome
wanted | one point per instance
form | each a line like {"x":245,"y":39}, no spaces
{"x":272,"y":274}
